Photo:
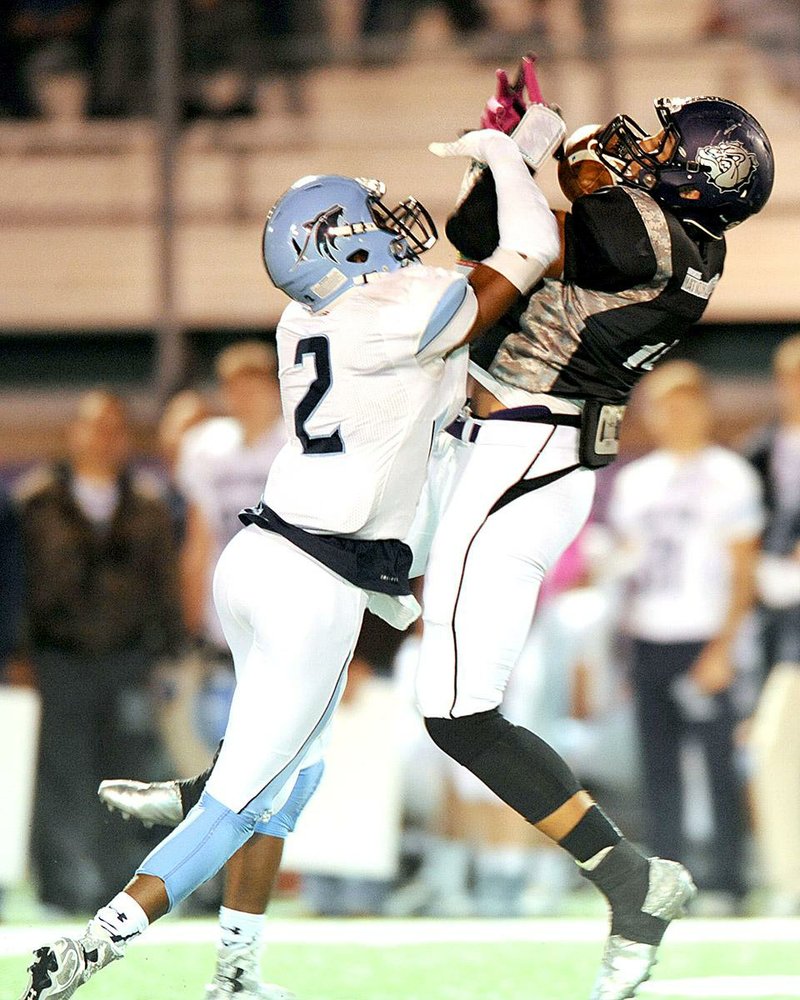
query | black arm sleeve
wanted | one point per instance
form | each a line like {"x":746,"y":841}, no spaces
{"x":472,"y":228}
{"x":483,"y":349}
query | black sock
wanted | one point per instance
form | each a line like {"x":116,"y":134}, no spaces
{"x":590,"y":835}
{"x":623,"y":876}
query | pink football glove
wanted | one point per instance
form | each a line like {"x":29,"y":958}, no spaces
{"x":504,"y":111}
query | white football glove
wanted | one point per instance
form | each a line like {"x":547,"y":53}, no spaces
{"x":483,"y":144}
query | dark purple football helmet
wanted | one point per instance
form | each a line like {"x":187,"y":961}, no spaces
{"x":711,"y":164}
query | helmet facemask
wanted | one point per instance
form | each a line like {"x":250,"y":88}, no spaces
{"x":632,"y":154}
{"x":410,"y":221}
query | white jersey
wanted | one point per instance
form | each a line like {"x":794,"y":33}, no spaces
{"x":680,"y":515}
{"x":361,"y":389}
{"x":219,"y":473}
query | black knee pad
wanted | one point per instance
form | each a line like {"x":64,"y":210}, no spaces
{"x":516,"y":764}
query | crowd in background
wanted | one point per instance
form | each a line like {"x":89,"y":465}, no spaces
{"x":228,"y":48}
{"x":772,"y":26}
{"x":663,"y":662}
{"x":112,"y":42}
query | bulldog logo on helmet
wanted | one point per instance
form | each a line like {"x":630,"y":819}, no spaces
{"x":729,"y":166}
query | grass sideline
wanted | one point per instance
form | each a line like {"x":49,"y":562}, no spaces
{"x":439,"y":960}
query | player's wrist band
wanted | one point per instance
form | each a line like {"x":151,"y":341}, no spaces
{"x":522,"y":272}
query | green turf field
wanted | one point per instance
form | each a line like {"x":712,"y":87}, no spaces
{"x":723,"y":961}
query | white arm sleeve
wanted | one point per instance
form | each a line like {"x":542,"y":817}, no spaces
{"x":529,"y":239}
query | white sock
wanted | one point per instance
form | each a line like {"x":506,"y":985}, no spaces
{"x":122,"y":919}
{"x":595,"y":859}
{"x":238,"y":928}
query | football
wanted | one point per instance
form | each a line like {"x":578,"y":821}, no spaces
{"x":579,"y":170}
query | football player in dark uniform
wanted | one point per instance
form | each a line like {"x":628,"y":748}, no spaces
{"x":643,"y":252}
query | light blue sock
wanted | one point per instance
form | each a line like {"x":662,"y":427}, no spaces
{"x":197,"y":849}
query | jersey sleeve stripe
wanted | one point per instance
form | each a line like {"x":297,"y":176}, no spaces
{"x":446,"y":309}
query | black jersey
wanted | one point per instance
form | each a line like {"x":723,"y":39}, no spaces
{"x":635,"y":281}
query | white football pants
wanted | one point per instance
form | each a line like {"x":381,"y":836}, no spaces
{"x":485,"y":569}
{"x":292,"y":626}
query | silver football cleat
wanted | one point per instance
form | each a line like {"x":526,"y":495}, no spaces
{"x":238,"y":974}
{"x":154,"y":802}
{"x":627,"y":964}
{"x":62,"y":967}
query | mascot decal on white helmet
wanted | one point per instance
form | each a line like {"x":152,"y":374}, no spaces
{"x":319,"y":229}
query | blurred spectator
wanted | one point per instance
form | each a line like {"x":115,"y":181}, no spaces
{"x":227,"y":48}
{"x":16,"y":98}
{"x":690,"y":515}
{"x":118,"y":59}
{"x":773,"y":26}
{"x":776,"y":732}
{"x":219,"y":38}
{"x":182,"y":412}
{"x":101,"y":607}
{"x":293,"y":40}
{"x":222,"y":467}
{"x":49,"y":36}
{"x":385,"y":24}
{"x":232,"y":46}
{"x":11,"y":582}
{"x":594,"y":19}
{"x":56,"y":37}
{"x":387,"y":17}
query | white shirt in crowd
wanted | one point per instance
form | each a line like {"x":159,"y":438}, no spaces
{"x":97,"y":500}
{"x":678,"y":515}
{"x":785,"y":467}
{"x":219,"y":473}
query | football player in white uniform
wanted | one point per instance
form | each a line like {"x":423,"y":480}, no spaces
{"x":360,"y":355}
{"x":221,"y":466}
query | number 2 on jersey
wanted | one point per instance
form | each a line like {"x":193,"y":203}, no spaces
{"x":325,"y":444}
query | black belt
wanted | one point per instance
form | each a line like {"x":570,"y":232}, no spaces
{"x":381,"y":564}
{"x":468,"y":428}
